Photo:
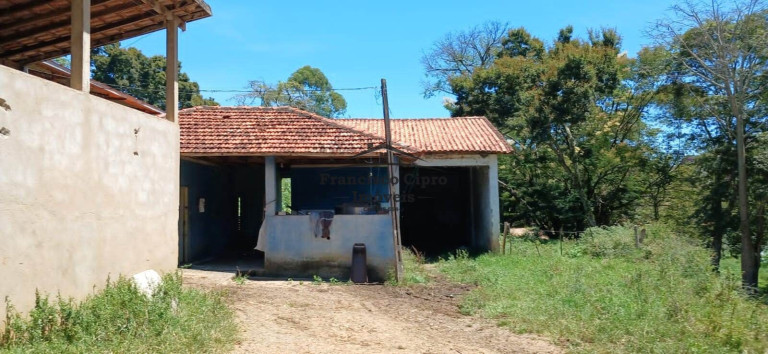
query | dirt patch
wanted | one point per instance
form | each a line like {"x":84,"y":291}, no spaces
{"x":304,"y":317}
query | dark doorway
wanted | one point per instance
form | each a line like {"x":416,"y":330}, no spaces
{"x":436,"y":209}
{"x":221,"y":212}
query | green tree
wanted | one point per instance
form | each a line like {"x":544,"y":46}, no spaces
{"x":307,"y":88}
{"x":574,"y":111}
{"x":130,"y":71}
{"x":720,"y":52}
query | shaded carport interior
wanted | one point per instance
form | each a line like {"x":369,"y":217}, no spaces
{"x":441,"y":209}
{"x":221,"y":212}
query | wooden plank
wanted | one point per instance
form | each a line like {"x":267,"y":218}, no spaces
{"x":15,"y":10}
{"x":43,"y":18}
{"x":65,"y":39}
{"x":62,"y":24}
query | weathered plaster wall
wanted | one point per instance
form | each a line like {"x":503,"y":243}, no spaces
{"x":81,"y":196}
{"x":291,"y":248}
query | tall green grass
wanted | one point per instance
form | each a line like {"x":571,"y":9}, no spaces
{"x":604,"y":295}
{"x":120,"y":319}
{"x":414,"y":270}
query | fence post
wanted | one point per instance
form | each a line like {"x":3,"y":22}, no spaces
{"x":506,"y":231}
{"x":562,"y":235}
{"x":637,"y":238}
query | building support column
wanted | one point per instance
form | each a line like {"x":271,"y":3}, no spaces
{"x":172,"y":68}
{"x":493,"y":203}
{"x":270,"y":186}
{"x":80,"y":38}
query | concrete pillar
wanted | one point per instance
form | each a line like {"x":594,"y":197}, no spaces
{"x":270,"y":186}
{"x":80,"y":43}
{"x":172,"y":68}
{"x":493,"y":202}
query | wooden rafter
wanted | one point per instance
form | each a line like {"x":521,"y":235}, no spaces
{"x":34,"y":30}
{"x":60,"y":14}
{"x":168,"y":14}
{"x":25,"y":7}
{"x":113,"y":25}
{"x":62,"y":24}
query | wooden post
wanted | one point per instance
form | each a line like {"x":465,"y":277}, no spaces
{"x":80,"y":42}
{"x":562,"y":235}
{"x":642,"y":235}
{"x":172,"y":68}
{"x":505,"y":232}
{"x":637,"y":238}
{"x":392,"y":185}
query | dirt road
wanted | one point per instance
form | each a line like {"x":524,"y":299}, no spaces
{"x":304,"y":317}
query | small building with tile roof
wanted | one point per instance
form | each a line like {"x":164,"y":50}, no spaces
{"x":281,"y":191}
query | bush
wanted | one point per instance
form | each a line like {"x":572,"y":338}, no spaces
{"x":121,"y":319}
{"x":605,"y":295}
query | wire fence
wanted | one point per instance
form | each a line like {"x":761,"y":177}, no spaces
{"x":561,"y":236}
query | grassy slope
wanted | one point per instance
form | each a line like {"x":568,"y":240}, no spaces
{"x":602,"y":295}
{"x":119,"y":319}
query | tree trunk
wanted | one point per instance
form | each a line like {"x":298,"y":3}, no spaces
{"x":719,"y":224}
{"x":749,"y":265}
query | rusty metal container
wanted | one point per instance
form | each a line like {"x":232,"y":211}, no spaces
{"x":359,"y":272}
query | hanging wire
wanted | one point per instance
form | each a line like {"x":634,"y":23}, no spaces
{"x":145,"y":89}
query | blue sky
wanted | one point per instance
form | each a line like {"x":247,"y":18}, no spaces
{"x":356,"y":43}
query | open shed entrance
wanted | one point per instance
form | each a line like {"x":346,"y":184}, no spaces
{"x":221,"y":213}
{"x":441,"y":209}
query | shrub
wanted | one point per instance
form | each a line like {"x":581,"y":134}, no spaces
{"x":122,"y":319}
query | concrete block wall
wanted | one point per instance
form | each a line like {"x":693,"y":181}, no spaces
{"x":88,"y":189}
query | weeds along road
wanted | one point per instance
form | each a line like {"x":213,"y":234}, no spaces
{"x":306,"y":317}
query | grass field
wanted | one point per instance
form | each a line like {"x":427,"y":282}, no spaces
{"x":119,"y":319}
{"x":604,"y":295}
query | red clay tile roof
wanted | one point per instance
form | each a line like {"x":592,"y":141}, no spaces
{"x":439,"y":135}
{"x":285,"y":131}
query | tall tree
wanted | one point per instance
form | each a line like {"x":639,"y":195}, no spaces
{"x":130,"y":71}
{"x":720,"y":48}
{"x":574,"y":110}
{"x":460,"y":53}
{"x":307,"y":88}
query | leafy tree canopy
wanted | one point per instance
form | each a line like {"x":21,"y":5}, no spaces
{"x":307,"y":88}
{"x":130,"y":71}
{"x":574,"y":112}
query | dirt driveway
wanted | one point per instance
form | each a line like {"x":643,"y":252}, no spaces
{"x":303,"y":317}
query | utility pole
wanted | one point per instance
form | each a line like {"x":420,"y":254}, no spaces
{"x":392,"y":180}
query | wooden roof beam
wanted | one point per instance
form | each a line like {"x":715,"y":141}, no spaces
{"x":94,"y":32}
{"x":96,"y":41}
{"x":65,"y":23}
{"x":14,"y":11}
{"x":42,"y":18}
{"x":168,"y":14}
